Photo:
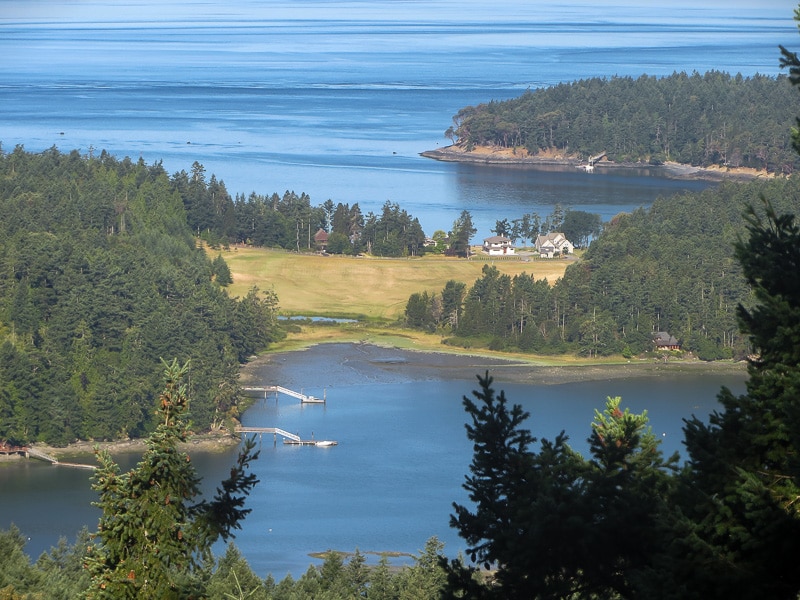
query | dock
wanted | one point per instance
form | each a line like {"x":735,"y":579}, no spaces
{"x":277,"y":389}
{"x":31,"y":452}
{"x":288,"y":438}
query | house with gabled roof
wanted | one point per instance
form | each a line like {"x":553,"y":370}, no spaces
{"x":321,"y":240}
{"x":498,"y":245}
{"x":665,"y":341}
{"x":553,"y":244}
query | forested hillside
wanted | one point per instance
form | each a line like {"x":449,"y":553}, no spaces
{"x":702,"y":120}
{"x":290,"y":222}
{"x":100,"y":278}
{"x":670,"y":268}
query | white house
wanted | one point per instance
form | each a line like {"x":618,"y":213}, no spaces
{"x":553,"y":244}
{"x":498,"y":245}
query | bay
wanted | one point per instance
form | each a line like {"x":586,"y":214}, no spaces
{"x":403,"y":453}
{"x":401,"y":457}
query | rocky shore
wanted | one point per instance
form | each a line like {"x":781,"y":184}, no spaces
{"x":519,"y":157}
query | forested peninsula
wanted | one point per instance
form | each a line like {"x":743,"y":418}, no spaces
{"x":101,"y":279}
{"x":699,"y":120}
{"x":669,"y":268}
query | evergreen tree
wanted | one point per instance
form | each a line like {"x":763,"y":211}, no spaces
{"x":744,"y":478}
{"x":18,"y":577}
{"x":382,"y":586}
{"x":221,"y":271}
{"x":461,"y":234}
{"x":357,"y":574}
{"x":579,"y":226}
{"x":426,"y":579}
{"x":453,"y":302}
{"x":418,"y":312}
{"x":309,"y":585}
{"x":332,"y":577}
{"x":151,"y":539}
{"x":552,"y":524}
{"x":234,"y":579}
{"x":62,"y":568}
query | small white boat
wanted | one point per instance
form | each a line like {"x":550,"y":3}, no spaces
{"x":325,"y":443}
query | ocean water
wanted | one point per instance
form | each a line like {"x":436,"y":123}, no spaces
{"x":337,"y":99}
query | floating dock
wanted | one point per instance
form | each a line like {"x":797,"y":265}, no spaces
{"x":277,"y":389}
{"x":30,"y":452}
{"x":288,"y":438}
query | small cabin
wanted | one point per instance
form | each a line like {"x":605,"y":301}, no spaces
{"x":321,"y":240}
{"x":665,"y":341}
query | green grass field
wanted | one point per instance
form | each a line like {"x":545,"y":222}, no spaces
{"x":375,"y":288}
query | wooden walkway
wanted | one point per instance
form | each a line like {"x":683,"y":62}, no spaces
{"x":277,"y":389}
{"x":31,"y":452}
{"x":289,"y":438}
{"x":273,"y":430}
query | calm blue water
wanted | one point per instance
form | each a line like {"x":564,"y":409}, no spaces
{"x":401,"y":457}
{"x":337,"y":99}
{"x":403,"y":453}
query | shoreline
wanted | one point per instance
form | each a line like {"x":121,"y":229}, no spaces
{"x":425,"y":364}
{"x":512,"y":157}
{"x":81,"y":450}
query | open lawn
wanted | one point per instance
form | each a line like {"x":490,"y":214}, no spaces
{"x":376,"y":288}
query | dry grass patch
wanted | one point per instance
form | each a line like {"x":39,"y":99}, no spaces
{"x":377,"y":288}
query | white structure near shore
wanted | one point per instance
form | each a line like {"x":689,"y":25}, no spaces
{"x":553,"y":244}
{"x":498,"y":245}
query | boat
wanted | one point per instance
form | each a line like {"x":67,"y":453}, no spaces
{"x":320,"y":443}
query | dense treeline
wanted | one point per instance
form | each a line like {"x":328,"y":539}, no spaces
{"x":100,"y":278}
{"x":290,"y":221}
{"x":670,"y":268}
{"x":710,"y":119}
{"x":61,"y":573}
